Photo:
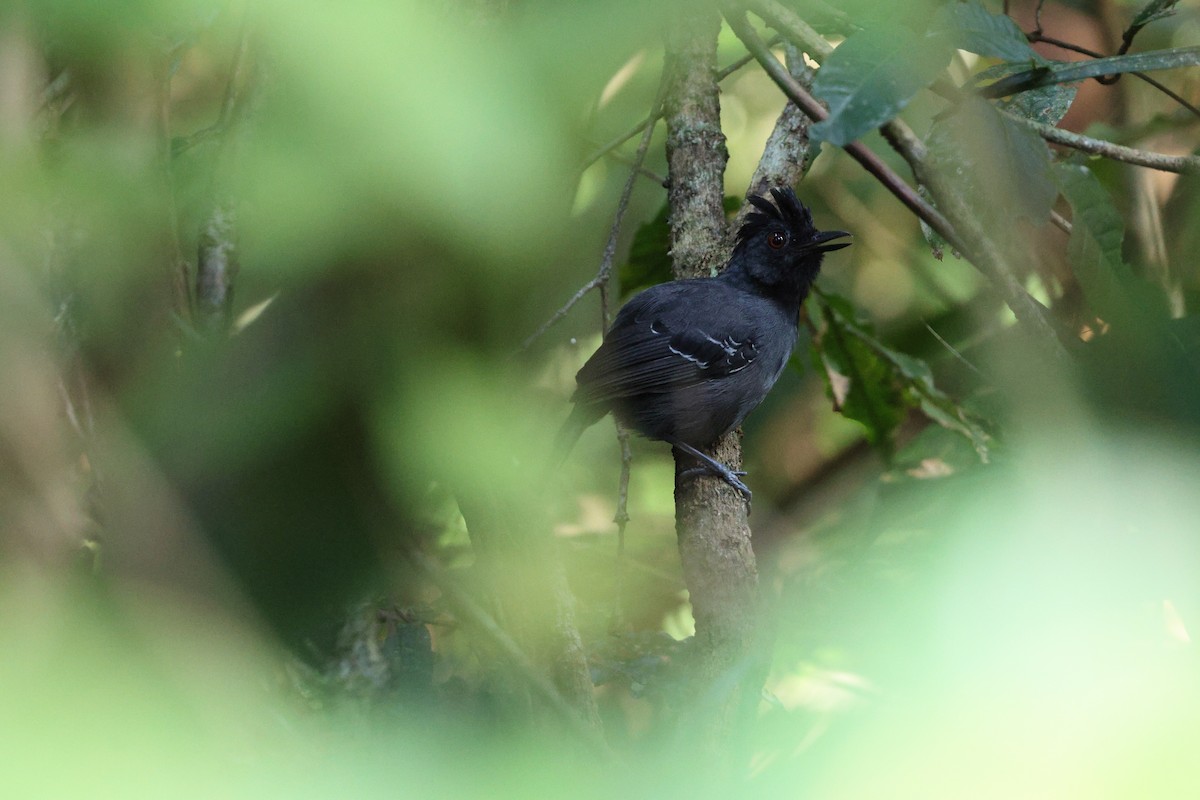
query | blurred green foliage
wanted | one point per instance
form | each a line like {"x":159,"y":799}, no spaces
{"x":205,"y":581}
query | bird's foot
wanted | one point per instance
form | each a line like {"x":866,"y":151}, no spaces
{"x":719,"y":470}
{"x":710,"y":465}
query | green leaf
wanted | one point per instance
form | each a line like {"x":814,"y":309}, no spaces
{"x":1048,"y":104}
{"x":971,"y":27}
{"x":649,"y":260}
{"x":870,"y":77}
{"x":858,"y":381}
{"x":1113,"y":291}
{"x":876,"y":385}
{"x":999,"y":167}
{"x":1155,"y":9}
{"x":1068,"y":71}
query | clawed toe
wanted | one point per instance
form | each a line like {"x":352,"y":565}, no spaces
{"x":710,"y":466}
{"x":732,"y":477}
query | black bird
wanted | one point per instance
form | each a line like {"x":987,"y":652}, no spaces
{"x":686,"y":361}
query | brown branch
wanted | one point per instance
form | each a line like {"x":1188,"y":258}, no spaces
{"x":710,"y":517}
{"x":786,"y":156}
{"x":856,"y":150}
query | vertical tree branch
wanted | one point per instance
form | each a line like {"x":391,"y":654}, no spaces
{"x":710,"y":517}
{"x":786,"y":156}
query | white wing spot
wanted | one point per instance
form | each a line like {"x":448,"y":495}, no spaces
{"x":688,"y":356}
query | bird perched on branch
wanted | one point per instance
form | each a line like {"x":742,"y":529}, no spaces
{"x":685,"y":361}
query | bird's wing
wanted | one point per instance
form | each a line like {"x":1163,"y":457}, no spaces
{"x":655,"y":345}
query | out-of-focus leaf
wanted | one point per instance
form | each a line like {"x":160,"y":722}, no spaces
{"x":1068,"y":71}
{"x":872,"y":76}
{"x":971,"y":27}
{"x":1112,"y":290}
{"x":1000,"y":168}
{"x":355,"y":113}
{"x":876,"y":385}
{"x":1155,"y":9}
{"x":1048,"y":105}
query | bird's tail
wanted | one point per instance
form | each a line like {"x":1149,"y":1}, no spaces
{"x":581,"y":418}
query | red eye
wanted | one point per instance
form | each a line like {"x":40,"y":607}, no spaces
{"x":776,"y":240}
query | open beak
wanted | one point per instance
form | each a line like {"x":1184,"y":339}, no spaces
{"x":818,"y":242}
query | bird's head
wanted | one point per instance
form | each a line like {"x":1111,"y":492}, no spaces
{"x":778,"y":245}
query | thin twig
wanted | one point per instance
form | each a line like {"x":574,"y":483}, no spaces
{"x":560,"y":313}
{"x":233,"y":89}
{"x":617,"y":142}
{"x":645,"y":173}
{"x":1038,"y":36}
{"x":621,"y":518}
{"x":722,"y":74}
{"x":605,"y":315}
{"x":953,"y":351}
{"x":1117,"y":152}
{"x":610,"y":247}
{"x":229,"y":102}
{"x":1060,"y":222}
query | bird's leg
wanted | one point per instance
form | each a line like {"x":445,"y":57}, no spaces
{"x":713,"y":467}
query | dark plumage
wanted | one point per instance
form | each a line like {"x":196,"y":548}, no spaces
{"x":686,"y":361}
